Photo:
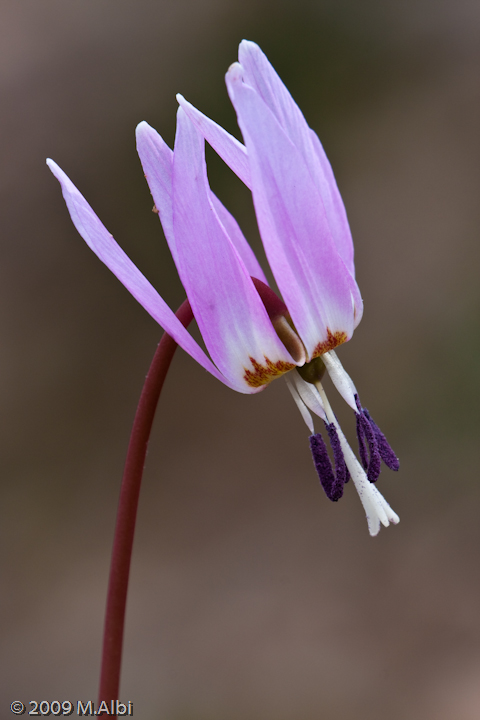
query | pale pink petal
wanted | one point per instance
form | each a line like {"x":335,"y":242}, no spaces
{"x":293,"y":225}
{"x":238,"y":239}
{"x":261,"y":76}
{"x":157,"y":161}
{"x":232,"y":319}
{"x":334,"y":207}
{"x":232,"y":152}
{"x":109,"y":252}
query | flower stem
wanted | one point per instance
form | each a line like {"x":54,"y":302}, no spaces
{"x":127,"y":512}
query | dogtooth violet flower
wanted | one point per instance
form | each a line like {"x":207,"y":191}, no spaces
{"x":252,"y":336}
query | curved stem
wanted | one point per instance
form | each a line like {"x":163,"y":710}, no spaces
{"x":127,"y":513}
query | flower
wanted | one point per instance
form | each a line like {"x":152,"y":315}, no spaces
{"x":251,"y":335}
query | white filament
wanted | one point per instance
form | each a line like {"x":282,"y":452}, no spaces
{"x":340,"y":378}
{"x":300,"y":404}
{"x":309,"y":395}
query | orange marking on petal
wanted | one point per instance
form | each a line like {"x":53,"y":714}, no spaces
{"x":332,"y":341}
{"x":263,"y":374}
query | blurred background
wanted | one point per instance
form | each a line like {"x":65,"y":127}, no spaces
{"x":252,"y":596}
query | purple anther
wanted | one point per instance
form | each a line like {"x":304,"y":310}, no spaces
{"x":362,"y":446}
{"x":374,"y":466}
{"x":365,"y":431}
{"x":341,"y":470}
{"x":384,"y":448}
{"x":358,"y":403}
{"x":323,"y":466}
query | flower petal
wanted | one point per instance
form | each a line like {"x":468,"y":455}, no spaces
{"x":230,"y":314}
{"x":261,"y":76}
{"x":104,"y":246}
{"x":238,"y":239}
{"x":157,"y":161}
{"x":293,"y":225}
{"x":334,"y":207}
{"x":232,"y":152}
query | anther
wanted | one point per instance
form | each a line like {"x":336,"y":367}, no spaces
{"x":323,"y":466}
{"x":332,"y":480}
{"x":341,"y":469}
{"x":362,"y":446}
{"x":384,"y":448}
{"x":378,"y":446}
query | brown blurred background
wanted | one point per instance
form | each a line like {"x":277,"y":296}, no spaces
{"x":252,"y":596}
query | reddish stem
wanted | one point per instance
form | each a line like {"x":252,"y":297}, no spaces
{"x":127,"y":513}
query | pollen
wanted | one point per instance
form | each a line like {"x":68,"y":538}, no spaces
{"x":263,"y":374}
{"x":332,"y":341}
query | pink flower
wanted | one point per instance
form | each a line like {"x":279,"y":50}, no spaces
{"x":252,"y":336}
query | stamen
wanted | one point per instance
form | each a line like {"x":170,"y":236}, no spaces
{"x":384,"y":448}
{"x":362,"y":447}
{"x":340,"y":378}
{"x":364,"y":430}
{"x":304,"y":412}
{"x":376,"y":507}
{"x":358,"y":403}
{"x":331,"y":484}
{"x":366,"y":427}
{"x":309,"y":395}
{"x":341,"y":469}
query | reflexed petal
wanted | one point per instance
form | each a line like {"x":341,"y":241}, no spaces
{"x":230,"y":314}
{"x":157,"y":162}
{"x":293,"y":225}
{"x":261,"y":76}
{"x":238,"y":239}
{"x":104,"y":246}
{"x":335,"y":209}
{"x":232,"y":152}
